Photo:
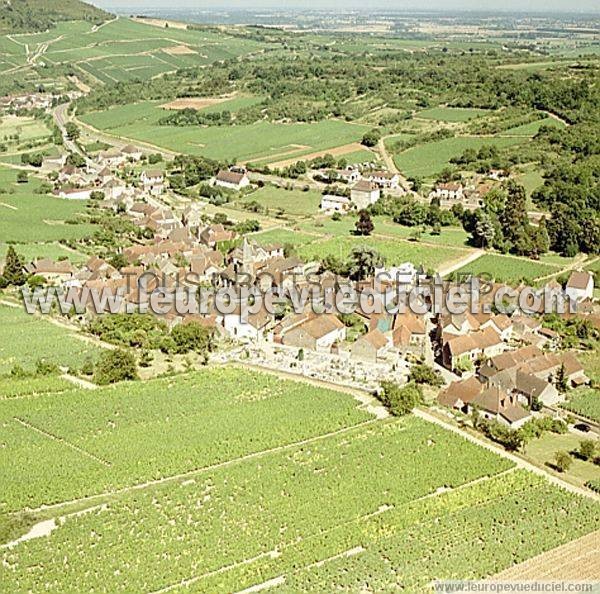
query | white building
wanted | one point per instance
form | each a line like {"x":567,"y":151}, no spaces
{"x":153,"y":181}
{"x":384,"y":179}
{"x":132,"y":152}
{"x":365,"y":193}
{"x":233,"y":180}
{"x":580,"y":286}
{"x":331,"y":203}
{"x":448,"y":191}
{"x":76,"y":193}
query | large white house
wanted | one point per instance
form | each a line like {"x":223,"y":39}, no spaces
{"x":153,"y":181}
{"x":365,"y":193}
{"x":384,"y":179}
{"x":580,"y":286}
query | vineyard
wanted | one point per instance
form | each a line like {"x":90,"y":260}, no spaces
{"x":378,"y":507}
{"x":77,"y":443}
{"x":52,"y":343}
{"x":585,"y":403}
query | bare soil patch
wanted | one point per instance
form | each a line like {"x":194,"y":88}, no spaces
{"x":161,"y":23}
{"x":194,"y":102}
{"x":179,"y":50}
{"x":337,"y":151}
{"x":578,"y":560}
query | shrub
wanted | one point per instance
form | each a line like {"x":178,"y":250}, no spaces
{"x":115,"y":366}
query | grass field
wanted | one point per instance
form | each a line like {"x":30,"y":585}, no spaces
{"x":25,"y":128}
{"x":32,"y":251}
{"x":451,"y":114}
{"x":261,"y":461}
{"x":508,"y":269}
{"x":543,"y":449}
{"x":28,"y":217}
{"x":449,"y":236}
{"x":19,"y":331}
{"x":282,"y":236}
{"x":262,"y":141}
{"x":394,"y":252}
{"x":295,"y":202}
{"x":428,"y":159}
{"x":533,"y":128}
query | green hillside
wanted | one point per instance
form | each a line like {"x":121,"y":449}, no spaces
{"x":39,"y":15}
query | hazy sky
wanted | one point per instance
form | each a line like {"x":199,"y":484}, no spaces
{"x":574,"y":6}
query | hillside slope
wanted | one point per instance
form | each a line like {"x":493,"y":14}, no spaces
{"x":18,"y":16}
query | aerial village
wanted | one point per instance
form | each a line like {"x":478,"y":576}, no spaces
{"x":505,"y":366}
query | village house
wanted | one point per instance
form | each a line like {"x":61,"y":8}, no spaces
{"x":212,"y":235}
{"x":459,"y":394}
{"x":113,"y":188}
{"x":131,"y":152}
{"x":104,"y":175}
{"x":232,"y":180}
{"x":404,"y":274}
{"x":112,"y":157}
{"x":61,"y":271}
{"x":371,"y":347}
{"x":331,"y":203}
{"x":471,"y":347}
{"x":383,"y":179}
{"x":364,"y":194}
{"x":580,"y":286}
{"x":349,"y":176}
{"x":254,"y":327}
{"x":409,"y":335}
{"x":153,"y":181}
{"x":452,"y":191}
{"x":67,"y":172}
{"x":494,"y":404}
{"x":53,"y":163}
{"x":316,"y":333}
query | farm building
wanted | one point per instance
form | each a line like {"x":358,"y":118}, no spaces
{"x":232,"y":180}
{"x":365,"y":193}
{"x":331,"y":203}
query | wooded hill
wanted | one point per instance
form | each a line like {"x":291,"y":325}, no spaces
{"x":18,"y":16}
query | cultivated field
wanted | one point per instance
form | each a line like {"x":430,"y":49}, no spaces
{"x":428,"y":159}
{"x":294,"y":202}
{"x":122,"y":50}
{"x":508,"y":269}
{"x":585,"y":402}
{"x":393,"y":251}
{"x":54,"y":344}
{"x":278,"y":494}
{"x":451,"y":114}
{"x":28,"y":217}
{"x":261,"y":142}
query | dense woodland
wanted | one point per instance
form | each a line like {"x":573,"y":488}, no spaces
{"x":39,"y":15}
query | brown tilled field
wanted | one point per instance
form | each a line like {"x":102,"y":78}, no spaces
{"x":194,"y":102}
{"x":578,"y":560}
{"x":179,"y":50}
{"x":338,"y":151}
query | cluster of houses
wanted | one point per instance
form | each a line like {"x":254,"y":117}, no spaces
{"x":470,"y":195}
{"x":510,"y":364}
{"x":509,"y":385}
{"x":27,"y":101}
{"x":365,"y":190}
